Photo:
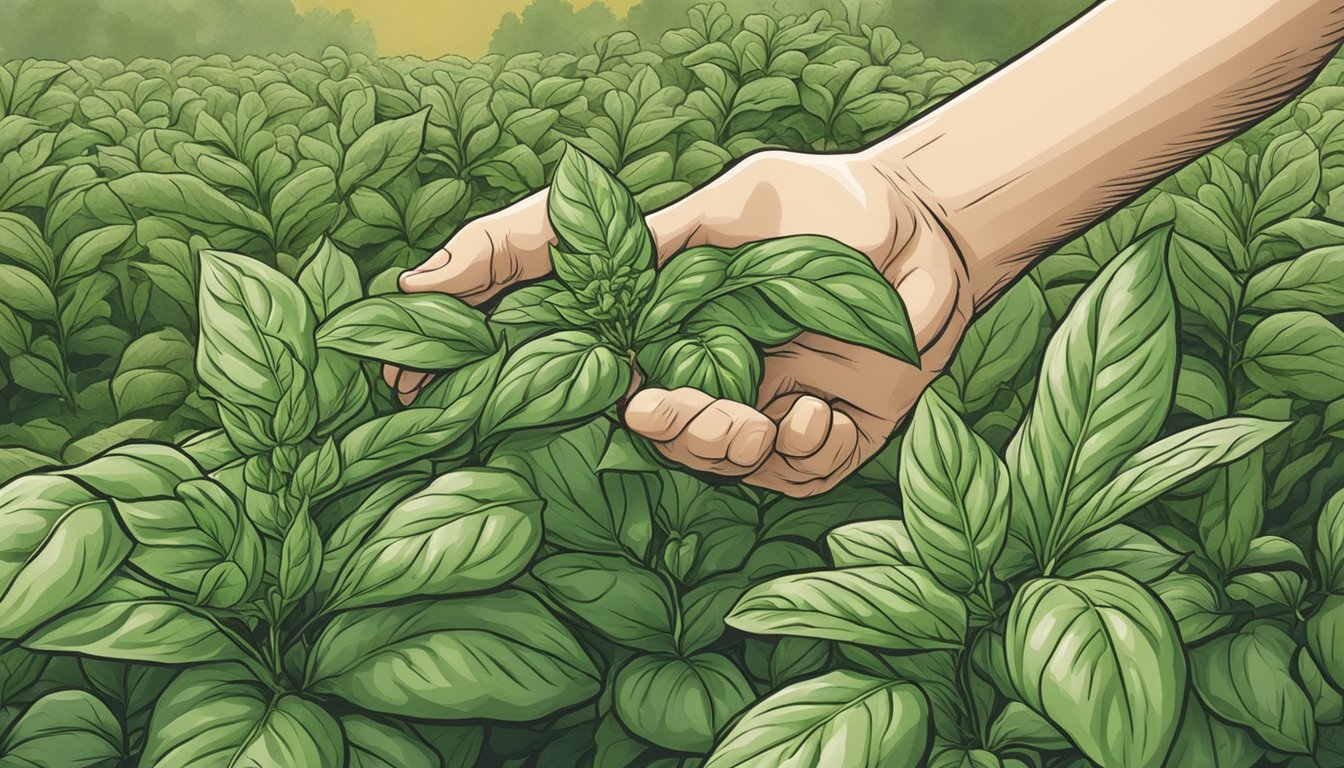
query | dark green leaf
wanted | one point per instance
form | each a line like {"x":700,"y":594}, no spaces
{"x":65,"y":729}
{"x":1246,"y":678}
{"x":501,"y":656}
{"x":680,"y":703}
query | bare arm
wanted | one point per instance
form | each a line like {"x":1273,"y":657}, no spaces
{"x":1128,"y":93}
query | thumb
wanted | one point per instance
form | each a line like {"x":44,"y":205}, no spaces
{"x":488,"y":254}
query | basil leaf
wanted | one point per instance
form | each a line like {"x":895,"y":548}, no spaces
{"x":593,"y":213}
{"x":500,"y":656}
{"x":329,"y":278}
{"x":425,"y":331}
{"x":385,"y":744}
{"x":1121,"y":548}
{"x":872,"y":542}
{"x":256,"y":351}
{"x":1313,"y":282}
{"x":1330,"y":543}
{"x":562,"y":377}
{"x":60,"y":545}
{"x":956,"y":496}
{"x":748,"y":311}
{"x":215,"y":712}
{"x":383,"y":152}
{"x":916,"y":612}
{"x":1325,"y":638}
{"x":1119,"y":344}
{"x":719,"y":361}
{"x":65,"y":728}
{"x":1101,"y":659}
{"x":833,"y":714}
{"x":1246,"y":678}
{"x":1299,"y":354}
{"x":680,"y":703}
{"x":1193,"y":602}
{"x":628,"y":604}
{"x":468,"y":531}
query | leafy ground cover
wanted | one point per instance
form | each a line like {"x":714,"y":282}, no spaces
{"x":282,"y":567}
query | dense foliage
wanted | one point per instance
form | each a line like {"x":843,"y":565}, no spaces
{"x":1140,"y":563}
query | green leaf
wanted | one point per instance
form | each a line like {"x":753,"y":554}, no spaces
{"x":896,"y":607}
{"x":1246,"y":678}
{"x":562,"y":377}
{"x":999,"y":343}
{"x":467,"y":531}
{"x":392,"y":441}
{"x":65,"y":729}
{"x":1193,"y":602}
{"x":680,"y":703}
{"x":425,"y":331}
{"x":256,"y":351}
{"x":60,"y":545}
{"x":27,"y":293}
{"x":1100,"y":657}
{"x":1313,"y":281}
{"x":719,"y":361}
{"x":1296,"y":353}
{"x":873,"y":723}
{"x":329,"y":278}
{"x":593,"y":213}
{"x":816,"y":282}
{"x":385,"y":744}
{"x":585,"y":510}
{"x":748,"y":311}
{"x":300,"y":557}
{"x":187,"y":200}
{"x":22,"y":243}
{"x":1325,"y":638}
{"x":135,"y":622}
{"x":872,"y":542}
{"x":955,"y":491}
{"x":1121,"y":548}
{"x":216,"y":713}
{"x":1118,"y":343}
{"x":383,"y":152}
{"x":1232,"y":511}
{"x":1330,"y":543}
{"x":1158,"y":468}
{"x":1021,"y":726}
{"x":628,"y":604}
{"x":1290,"y":172}
{"x":500,"y":656}
{"x":1207,"y":741}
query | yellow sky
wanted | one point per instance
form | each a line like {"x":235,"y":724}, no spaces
{"x":432,"y":28}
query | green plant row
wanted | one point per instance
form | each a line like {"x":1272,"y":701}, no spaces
{"x":229,"y":545}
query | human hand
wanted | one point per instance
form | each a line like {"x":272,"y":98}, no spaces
{"x":824,"y":406}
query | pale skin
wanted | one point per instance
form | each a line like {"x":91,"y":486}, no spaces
{"x":952,"y":209}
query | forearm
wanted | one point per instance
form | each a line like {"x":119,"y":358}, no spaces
{"x":1123,"y":96}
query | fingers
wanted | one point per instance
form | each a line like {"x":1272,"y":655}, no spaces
{"x":406,"y":383}
{"x":489,"y":254}
{"x":811,"y":449}
{"x":701,"y":432}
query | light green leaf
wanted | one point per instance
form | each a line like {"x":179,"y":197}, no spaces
{"x":500,"y":656}
{"x":256,"y":351}
{"x":1325,"y":638}
{"x":896,"y":607}
{"x":1100,"y":657}
{"x":425,"y":331}
{"x":873,"y":723}
{"x":329,"y":278}
{"x":1313,"y":281}
{"x":468,"y":531}
{"x":383,"y":152}
{"x":27,"y":293}
{"x":999,"y":343}
{"x":719,"y":361}
{"x":562,"y":377}
{"x":1193,"y":602}
{"x":1207,"y":741}
{"x":131,"y":621}
{"x":955,"y":491}
{"x":872,"y":542}
{"x":1121,"y":548}
{"x":1296,"y":353}
{"x":593,"y":213}
{"x":60,"y":545}
{"x":1118,"y":344}
{"x":1330,"y":543}
{"x":1156,"y":469}
{"x":385,"y":744}
{"x":216,"y":715}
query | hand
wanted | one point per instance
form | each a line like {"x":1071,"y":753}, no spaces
{"x":824,"y":406}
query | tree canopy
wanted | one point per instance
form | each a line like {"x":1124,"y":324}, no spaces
{"x":126,"y":29}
